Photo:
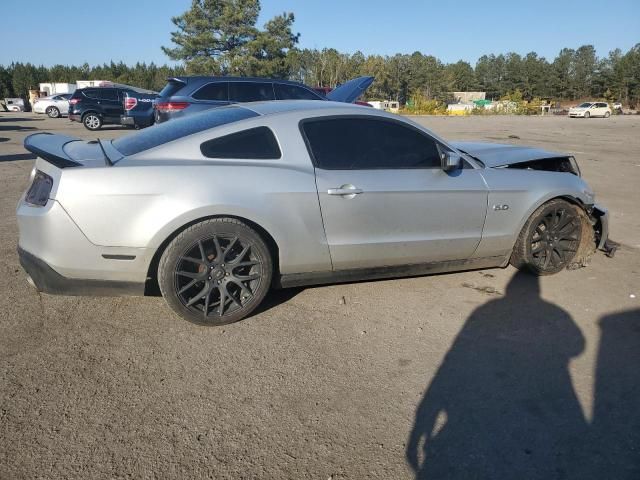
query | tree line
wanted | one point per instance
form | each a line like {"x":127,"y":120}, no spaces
{"x":220,"y":37}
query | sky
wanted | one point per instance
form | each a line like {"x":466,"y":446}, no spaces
{"x":73,"y":32}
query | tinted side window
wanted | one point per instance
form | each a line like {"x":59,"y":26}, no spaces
{"x":213,"y":91}
{"x":109,"y":94}
{"x":250,"y":91}
{"x":255,"y":143}
{"x":168,"y":131}
{"x":90,"y":92}
{"x":293,"y":92}
{"x":360,"y":143}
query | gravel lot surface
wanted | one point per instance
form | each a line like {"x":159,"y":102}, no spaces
{"x":484,"y":374}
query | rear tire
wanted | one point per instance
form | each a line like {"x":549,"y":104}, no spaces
{"x":215,"y":272}
{"x":53,"y":112}
{"x":92,"y":121}
{"x":607,"y":114}
{"x":550,"y":239}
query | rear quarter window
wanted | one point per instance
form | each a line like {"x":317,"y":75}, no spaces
{"x":166,"y":132}
{"x":294,"y":92}
{"x":90,"y":92}
{"x":171,"y":88}
{"x":213,"y":91}
{"x":254,"y":143}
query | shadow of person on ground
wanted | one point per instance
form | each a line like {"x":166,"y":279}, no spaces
{"x":502,"y":405}
{"x":615,"y":430}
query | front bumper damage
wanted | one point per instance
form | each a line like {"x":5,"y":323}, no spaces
{"x":599,"y":215}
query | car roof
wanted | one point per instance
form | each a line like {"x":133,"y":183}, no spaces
{"x":202,"y":78}
{"x":271,"y":107}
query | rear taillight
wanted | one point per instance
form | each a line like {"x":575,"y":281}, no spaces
{"x":130,"y":103}
{"x":171,"y":106}
{"x":40,"y":189}
{"x":73,"y":101}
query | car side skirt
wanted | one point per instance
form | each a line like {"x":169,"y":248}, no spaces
{"x":399,"y":271}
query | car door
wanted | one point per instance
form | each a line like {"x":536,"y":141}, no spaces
{"x":62,"y":103}
{"x":111,"y":104}
{"x":384,"y":197}
{"x":602,"y":109}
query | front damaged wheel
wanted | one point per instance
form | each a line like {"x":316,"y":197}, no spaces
{"x":552,"y":238}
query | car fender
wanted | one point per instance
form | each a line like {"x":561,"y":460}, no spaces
{"x":514,"y":194}
{"x":182,"y":221}
{"x":142,"y":207}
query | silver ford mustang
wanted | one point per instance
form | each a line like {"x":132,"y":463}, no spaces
{"x":219,"y":207}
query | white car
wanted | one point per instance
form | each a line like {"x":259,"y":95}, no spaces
{"x":54,"y":105}
{"x":590,"y":109}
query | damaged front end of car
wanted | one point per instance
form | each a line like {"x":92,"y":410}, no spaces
{"x":594,"y":216}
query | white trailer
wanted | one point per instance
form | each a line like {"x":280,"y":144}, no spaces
{"x":57,"y":88}
{"x":93,"y":83}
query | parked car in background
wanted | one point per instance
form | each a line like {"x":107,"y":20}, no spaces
{"x":184,"y":96}
{"x":97,"y":106}
{"x":590,"y":109}
{"x":138,"y":109}
{"x":15,"y":104}
{"x":54,"y":106}
{"x":223,"y":205}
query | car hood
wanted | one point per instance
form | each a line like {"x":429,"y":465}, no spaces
{"x":349,"y":91}
{"x":579,"y":108}
{"x":500,"y":155}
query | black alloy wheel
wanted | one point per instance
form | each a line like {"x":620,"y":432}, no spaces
{"x":215,"y":272}
{"x":550,"y":238}
{"x":217,"y":275}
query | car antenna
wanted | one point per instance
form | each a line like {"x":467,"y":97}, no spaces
{"x":106,"y":157}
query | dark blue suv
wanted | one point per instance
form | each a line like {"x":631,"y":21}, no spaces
{"x":187,"y":95}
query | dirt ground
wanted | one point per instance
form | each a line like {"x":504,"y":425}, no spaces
{"x":483,"y":374}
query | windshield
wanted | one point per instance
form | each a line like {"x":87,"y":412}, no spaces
{"x":584,"y":105}
{"x":172,"y":130}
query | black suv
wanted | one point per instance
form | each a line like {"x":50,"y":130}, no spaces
{"x":97,"y":106}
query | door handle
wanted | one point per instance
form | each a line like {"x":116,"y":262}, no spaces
{"x":348,"y":191}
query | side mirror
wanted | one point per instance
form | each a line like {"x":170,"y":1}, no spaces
{"x":450,"y":161}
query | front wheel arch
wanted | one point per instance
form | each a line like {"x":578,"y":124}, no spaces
{"x":152,"y":287}
{"x":586,"y":246}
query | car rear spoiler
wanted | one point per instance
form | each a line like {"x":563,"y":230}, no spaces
{"x":49,"y":147}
